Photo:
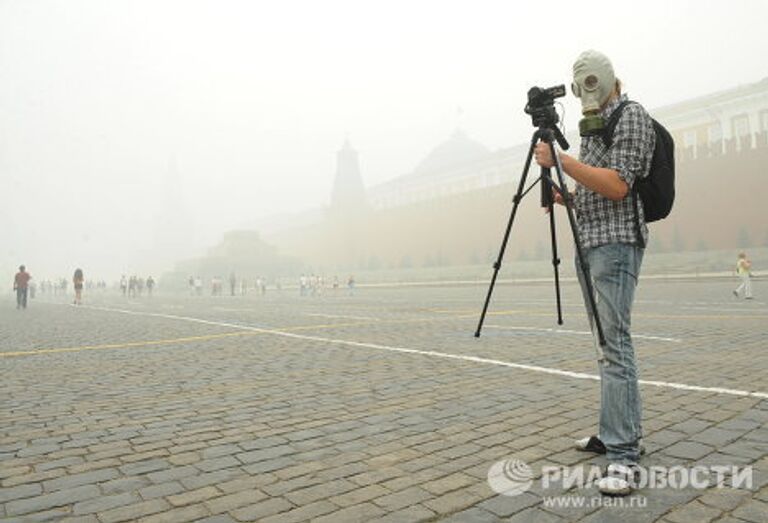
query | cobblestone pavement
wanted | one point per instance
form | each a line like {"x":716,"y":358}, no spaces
{"x":376,"y":407}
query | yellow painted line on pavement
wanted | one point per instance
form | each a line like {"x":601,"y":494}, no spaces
{"x":404,"y":350}
{"x":366,"y":323}
{"x":469,"y":313}
{"x":702,"y":316}
{"x":345,"y":316}
{"x":326,"y":326}
{"x":448,"y":315}
{"x":476,"y":312}
{"x":124,"y":345}
{"x":436,"y":354}
{"x":177,"y":341}
{"x":138,"y":344}
{"x":462,"y":313}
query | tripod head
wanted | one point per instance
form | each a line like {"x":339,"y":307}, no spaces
{"x":546,"y":134}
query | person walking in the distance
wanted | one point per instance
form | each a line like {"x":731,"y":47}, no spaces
{"x":77,"y":281}
{"x":744,"y":271}
{"x":21,"y":286}
{"x":613,"y":245}
{"x":232,"y":283}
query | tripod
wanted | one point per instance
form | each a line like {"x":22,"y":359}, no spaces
{"x":548,"y":134}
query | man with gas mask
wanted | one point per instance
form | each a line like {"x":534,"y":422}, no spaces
{"x":613,"y":244}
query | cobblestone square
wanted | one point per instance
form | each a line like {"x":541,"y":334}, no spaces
{"x":380,"y":406}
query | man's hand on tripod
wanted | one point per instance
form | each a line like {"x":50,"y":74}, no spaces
{"x":543,"y":155}
{"x":604,"y":181}
{"x":557,"y":198}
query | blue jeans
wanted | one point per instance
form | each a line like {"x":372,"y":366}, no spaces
{"x":21,"y":298}
{"x":615,"y":268}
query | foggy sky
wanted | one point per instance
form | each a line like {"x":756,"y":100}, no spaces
{"x":122,"y":123}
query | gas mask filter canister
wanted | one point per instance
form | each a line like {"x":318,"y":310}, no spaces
{"x":593,"y":83}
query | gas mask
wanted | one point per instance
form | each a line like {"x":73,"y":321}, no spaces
{"x":593,"y":82}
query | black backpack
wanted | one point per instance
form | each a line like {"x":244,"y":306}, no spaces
{"x":657,"y":190}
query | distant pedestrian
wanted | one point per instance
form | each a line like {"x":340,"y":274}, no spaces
{"x":78,"y":280}
{"x":21,"y":286}
{"x":124,"y":284}
{"x":150,"y":285}
{"x":232,"y":283}
{"x":216,"y":286}
{"x":351,"y":285}
{"x":744,"y":271}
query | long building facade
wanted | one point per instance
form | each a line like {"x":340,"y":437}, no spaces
{"x":452,"y":208}
{"x":713,"y":125}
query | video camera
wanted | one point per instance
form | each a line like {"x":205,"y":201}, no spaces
{"x":541,"y":105}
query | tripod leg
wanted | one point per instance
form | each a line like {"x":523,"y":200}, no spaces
{"x":497,"y":264}
{"x":555,"y":263}
{"x":577,"y":242}
{"x":548,"y":201}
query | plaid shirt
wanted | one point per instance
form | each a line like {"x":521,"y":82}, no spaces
{"x":600,"y":219}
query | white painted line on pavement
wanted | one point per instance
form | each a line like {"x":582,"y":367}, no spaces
{"x":434,"y":354}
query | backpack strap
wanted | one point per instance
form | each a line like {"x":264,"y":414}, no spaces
{"x":638,"y":230}
{"x":607,"y":135}
{"x":613,"y":120}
